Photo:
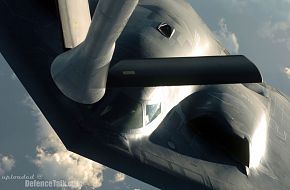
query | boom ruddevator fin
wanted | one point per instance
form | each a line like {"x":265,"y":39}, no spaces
{"x":75,"y":19}
{"x":184,"y":71}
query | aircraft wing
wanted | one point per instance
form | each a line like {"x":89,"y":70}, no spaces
{"x":31,"y":37}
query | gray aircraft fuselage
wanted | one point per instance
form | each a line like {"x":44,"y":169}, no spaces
{"x":232,"y":136}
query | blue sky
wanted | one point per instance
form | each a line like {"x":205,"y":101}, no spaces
{"x":258,"y":29}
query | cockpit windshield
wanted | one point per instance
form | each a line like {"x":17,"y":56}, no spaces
{"x":151,"y":112}
{"x":126,"y":113}
{"x":123,"y":113}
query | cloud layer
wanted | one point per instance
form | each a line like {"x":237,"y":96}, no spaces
{"x":287,"y":71}
{"x":277,"y":31}
{"x":70,"y":167}
{"x":6,"y":164}
{"x":118,"y":177}
{"x":227,"y":38}
{"x":275,"y":17}
{"x":56,"y":163}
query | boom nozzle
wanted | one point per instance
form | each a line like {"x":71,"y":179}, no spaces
{"x":81,"y":73}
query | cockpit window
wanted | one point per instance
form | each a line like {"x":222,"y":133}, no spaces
{"x":166,"y":30}
{"x":123,"y":113}
{"x":151,"y":112}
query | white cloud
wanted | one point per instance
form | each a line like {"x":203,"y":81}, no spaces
{"x":118,"y":177}
{"x":227,"y":38}
{"x":70,"y":167}
{"x":287,"y":71}
{"x":278,"y":32}
{"x":6,"y":164}
{"x":56,"y":163}
{"x":273,"y":16}
{"x":241,"y":5}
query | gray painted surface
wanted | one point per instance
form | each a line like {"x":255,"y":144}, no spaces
{"x":81,"y":73}
{"x":209,"y":165}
